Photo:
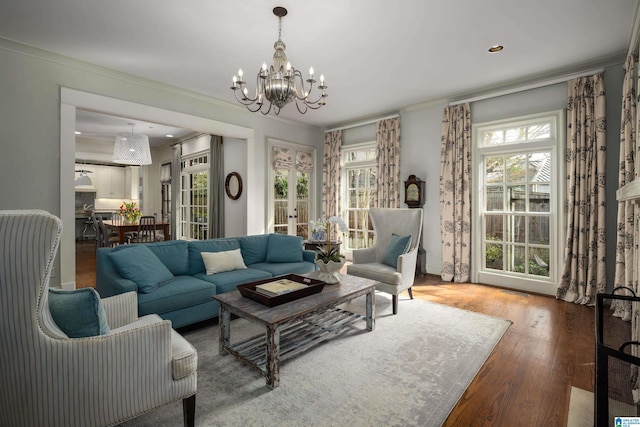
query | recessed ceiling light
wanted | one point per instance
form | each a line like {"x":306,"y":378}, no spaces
{"x":496,"y":48}
{"x":169,"y":136}
{"x":78,"y":132}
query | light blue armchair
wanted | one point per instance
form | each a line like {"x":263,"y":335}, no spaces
{"x":396,"y":273}
{"x":49,"y":379}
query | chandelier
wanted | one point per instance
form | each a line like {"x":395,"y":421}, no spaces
{"x":131,"y":149}
{"x":281,"y":83}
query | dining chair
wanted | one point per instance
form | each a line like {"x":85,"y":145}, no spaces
{"x":104,"y":238}
{"x":146,"y":230}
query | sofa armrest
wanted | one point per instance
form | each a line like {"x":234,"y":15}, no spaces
{"x":108,"y":281}
{"x":364,"y":256}
{"x":309,"y":256}
{"x":407,"y":267}
{"x":121,"y":309}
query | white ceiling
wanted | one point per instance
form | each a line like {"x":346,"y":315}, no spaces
{"x":376,"y":56}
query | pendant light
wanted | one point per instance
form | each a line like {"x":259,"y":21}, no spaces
{"x":132,"y":149}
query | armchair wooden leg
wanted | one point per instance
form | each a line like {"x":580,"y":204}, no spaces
{"x":410,"y":293}
{"x":189,"y":411}
{"x":394,"y":303}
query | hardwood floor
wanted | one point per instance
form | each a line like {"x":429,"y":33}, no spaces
{"x":527,"y":379}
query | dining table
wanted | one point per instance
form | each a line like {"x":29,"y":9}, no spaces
{"x":122,"y":228}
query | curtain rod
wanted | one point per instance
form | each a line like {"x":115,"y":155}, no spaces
{"x":367,"y":122}
{"x":537,"y":85}
{"x":189,"y":139}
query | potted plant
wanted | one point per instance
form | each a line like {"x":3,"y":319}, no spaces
{"x":329,"y":260}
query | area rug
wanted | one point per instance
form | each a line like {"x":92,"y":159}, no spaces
{"x":410,"y":371}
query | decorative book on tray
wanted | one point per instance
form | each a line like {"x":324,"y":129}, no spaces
{"x":280,"y":290}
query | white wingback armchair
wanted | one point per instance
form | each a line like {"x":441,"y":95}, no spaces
{"x":49,"y":379}
{"x":367,"y":262}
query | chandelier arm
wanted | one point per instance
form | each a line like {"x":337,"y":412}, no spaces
{"x":299,"y":109}
{"x":244,"y":100}
{"x":317,"y":101}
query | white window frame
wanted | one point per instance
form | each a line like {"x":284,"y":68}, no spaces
{"x":345,"y":167}
{"x":188,"y":170}
{"x":556,"y":144}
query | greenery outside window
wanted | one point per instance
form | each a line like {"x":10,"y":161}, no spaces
{"x":194,"y":197}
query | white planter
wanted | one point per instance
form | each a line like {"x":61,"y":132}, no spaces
{"x":329,"y":273}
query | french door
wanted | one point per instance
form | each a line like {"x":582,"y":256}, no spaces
{"x":292,"y":180}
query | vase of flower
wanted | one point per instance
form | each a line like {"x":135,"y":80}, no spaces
{"x":129,"y":212}
{"x":328,"y":259}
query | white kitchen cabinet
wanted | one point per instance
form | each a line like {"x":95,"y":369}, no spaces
{"x":111,"y":181}
{"x":131,"y":182}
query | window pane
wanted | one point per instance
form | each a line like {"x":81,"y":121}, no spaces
{"x":495,"y":198}
{"x":516,"y":229}
{"x":539,"y":131}
{"x":515,"y":134}
{"x":539,"y":230}
{"x":494,"y":170}
{"x":493,"y":257}
{"x":494,"y":228}
{"x":516,"y":168}
{"x":539,"y":261}
{"x":539,"y":197}
{"x":517,"y":198}
{"x":515,"y":259}
{"x":540,"y":167}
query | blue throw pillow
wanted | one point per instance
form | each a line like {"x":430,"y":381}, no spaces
{"x":396,"y":247}
{"x":284,"y":248}
{"x":78,"y":313}
{"x":141,"y":266}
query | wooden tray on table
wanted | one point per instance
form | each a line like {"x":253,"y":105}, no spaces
{"x":311,"y":286}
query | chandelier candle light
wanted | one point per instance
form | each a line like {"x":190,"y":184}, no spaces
{"x":279,"y":84}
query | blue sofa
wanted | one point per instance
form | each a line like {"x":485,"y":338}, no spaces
{"x":171,"y":280}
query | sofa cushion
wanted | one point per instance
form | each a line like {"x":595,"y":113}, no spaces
{"x":280,"y":268}
{"x":254,"y":248}
{"x":196,"y":247}
{"x":396,"y":247}
{"x":180,"y":292}
{"x":218,"y":262}
{"x":174,"y":254}
{"x":284,"y":248}
{"x":138,"y":264}
{"x":78,"y":313}
{"x":228,"y":281}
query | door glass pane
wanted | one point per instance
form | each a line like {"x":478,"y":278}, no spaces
{"x":281,"y":201}
{"x":302,"y":205}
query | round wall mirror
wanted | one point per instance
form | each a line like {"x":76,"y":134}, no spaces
{"x":233,"y":185}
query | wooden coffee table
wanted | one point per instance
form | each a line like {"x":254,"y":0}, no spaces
{"x":293,"y":327}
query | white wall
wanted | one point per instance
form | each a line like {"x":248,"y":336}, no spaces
{"x":235,"y":211}
{"x":32,"y":135}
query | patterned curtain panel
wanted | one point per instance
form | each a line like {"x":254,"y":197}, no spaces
{"x":282,"y":158}
{"x":216,"y":193}
{"x":626,"y":274}
{"x":388,"y":156}
{"x":175,"y":187}
{"x":304,"y":162}
{"x":583,"y":271}
{"x":331,"y":174}
{"x":455,"y":193}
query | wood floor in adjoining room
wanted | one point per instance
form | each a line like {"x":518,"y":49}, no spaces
{"x":527,"y":379}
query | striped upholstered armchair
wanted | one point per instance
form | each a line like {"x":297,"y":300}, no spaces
{"x":48,"y":379}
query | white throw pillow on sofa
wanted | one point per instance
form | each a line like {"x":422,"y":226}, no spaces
{"x":218,"y":262}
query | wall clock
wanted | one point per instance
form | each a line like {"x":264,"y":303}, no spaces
{"x":414,"y":192}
